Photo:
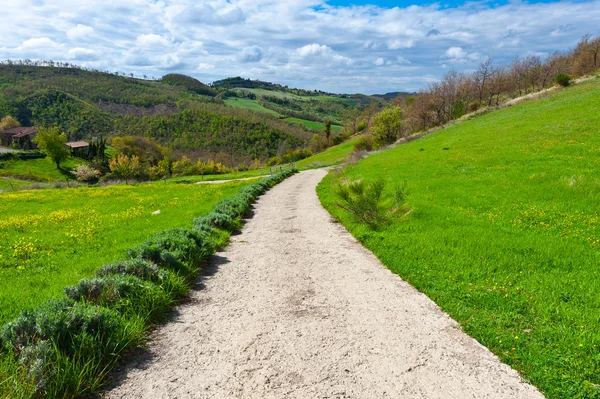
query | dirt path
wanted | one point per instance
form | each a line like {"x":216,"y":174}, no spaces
{"x":296,"y":308}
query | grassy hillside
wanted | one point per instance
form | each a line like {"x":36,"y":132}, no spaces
{"x":314,"y":125}
{"x":50,"y":239}
{"x":87,"y":104}
{"x":504,"y":233}
{"x":38,"y":170}
{"x":331,"y":156}
{"x":246,"y":103}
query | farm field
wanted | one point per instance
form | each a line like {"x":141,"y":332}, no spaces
{"x":504,"y":233}
{"x":246,"y":103}
{"x":50,"y":239}
{"x":314,"y":125}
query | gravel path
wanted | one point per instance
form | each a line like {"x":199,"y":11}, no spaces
{"x":296,"y":308}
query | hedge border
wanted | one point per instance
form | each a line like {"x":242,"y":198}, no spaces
{"x":67,"y":346}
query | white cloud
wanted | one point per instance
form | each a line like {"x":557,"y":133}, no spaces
{"x":251,"y":54}
{"x":458,"y":55}
{"x":300,"y":43}
{"x":313,"y":50}
{"x":401,"y":43}
{"x":79,"y":31}
{"x":82,"y":54}
{"x":38,"y":43}
{"x":152,"y":40}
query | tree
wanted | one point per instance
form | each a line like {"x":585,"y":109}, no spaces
{"x":52,"y":142}
{"x":387,"y":126}
{"x":87,"y":174}
{"x":482,"y":74}
{"x":8,"y":122}
{"x":125,"y":167}
{"x":327,"y":130}
{"x":146,"y":149}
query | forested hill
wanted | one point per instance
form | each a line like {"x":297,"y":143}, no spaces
{"x":178,"y":110}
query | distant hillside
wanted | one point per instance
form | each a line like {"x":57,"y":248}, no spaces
{"x":390,"y":96}
{"x":297,"y":106}
{"x":178,"y":111}
{"x":189,"y":83}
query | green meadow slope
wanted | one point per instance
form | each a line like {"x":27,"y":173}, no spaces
{"x":50,"y":239}
{"x":504,"y":233}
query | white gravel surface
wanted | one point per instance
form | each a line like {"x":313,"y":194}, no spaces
{"x":296,"y":308}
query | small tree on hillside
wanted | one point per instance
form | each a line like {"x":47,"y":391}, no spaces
{"x":387,"y":126}
{"x":125,"y":167}
{"x":8,"y":122}
{"x":87,"y":174}
{"x":52,"y":142}
{"x":327,"y":130}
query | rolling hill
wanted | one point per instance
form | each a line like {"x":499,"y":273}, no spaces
{"x":178,"y":111}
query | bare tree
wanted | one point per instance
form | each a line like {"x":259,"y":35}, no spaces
{"x":481,"y":76}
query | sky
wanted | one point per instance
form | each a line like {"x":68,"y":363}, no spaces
{"x":341,"y":46}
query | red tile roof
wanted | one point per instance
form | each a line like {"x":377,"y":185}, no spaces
{"x":17,"y":132}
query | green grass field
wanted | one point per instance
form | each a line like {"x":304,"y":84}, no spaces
{"x":504,"y":233}
{"x":246,"y":103}
{"x":10,"y":184}
{"x":331,"y":156}
{"x":314,"y":125}
{"x":38,"y":170}
{"x":50,"y":239}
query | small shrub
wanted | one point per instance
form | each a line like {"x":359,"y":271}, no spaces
{"x":139,"y":268}
{"x":363,"y":201}
{"x":178,"y":249}
{"x":362,"y":125}
{"x":128,"y":295}
{"x":364,"y":144}
{"x":86,"y":174}
{"x":562,"y":79}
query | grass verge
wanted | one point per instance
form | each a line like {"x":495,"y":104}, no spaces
{"x":504,"y":235}
{"x":65,"y":347}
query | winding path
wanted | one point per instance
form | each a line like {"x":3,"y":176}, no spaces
{"x":296,"y":308}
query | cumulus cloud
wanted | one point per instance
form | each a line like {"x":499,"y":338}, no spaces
{"x":82,"y":54}
{"x":152,"y":41}
{"x":300,"y":43}
{"x":314,"y":50}
{"x":458,"y":55}
{"x":251,"y":54}
{"x":401,"y":43}
{"x":38,"y":43}
{"x":206,"y":14}
{"x":79,"y":31}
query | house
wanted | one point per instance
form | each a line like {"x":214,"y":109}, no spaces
{"x":22,"y":137}
{"x":79,"y":148}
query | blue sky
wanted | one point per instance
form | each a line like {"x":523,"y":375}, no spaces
{"x":312,"y":44}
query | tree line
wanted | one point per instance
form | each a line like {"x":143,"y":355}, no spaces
{"x":459,"y":93}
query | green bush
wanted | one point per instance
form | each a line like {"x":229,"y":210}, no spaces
{"x":139,"y":268}
{"x":178,"y":249}
{"x":364,"y":144}
{"x":562,"y":79}
{"x":363,"y":201}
